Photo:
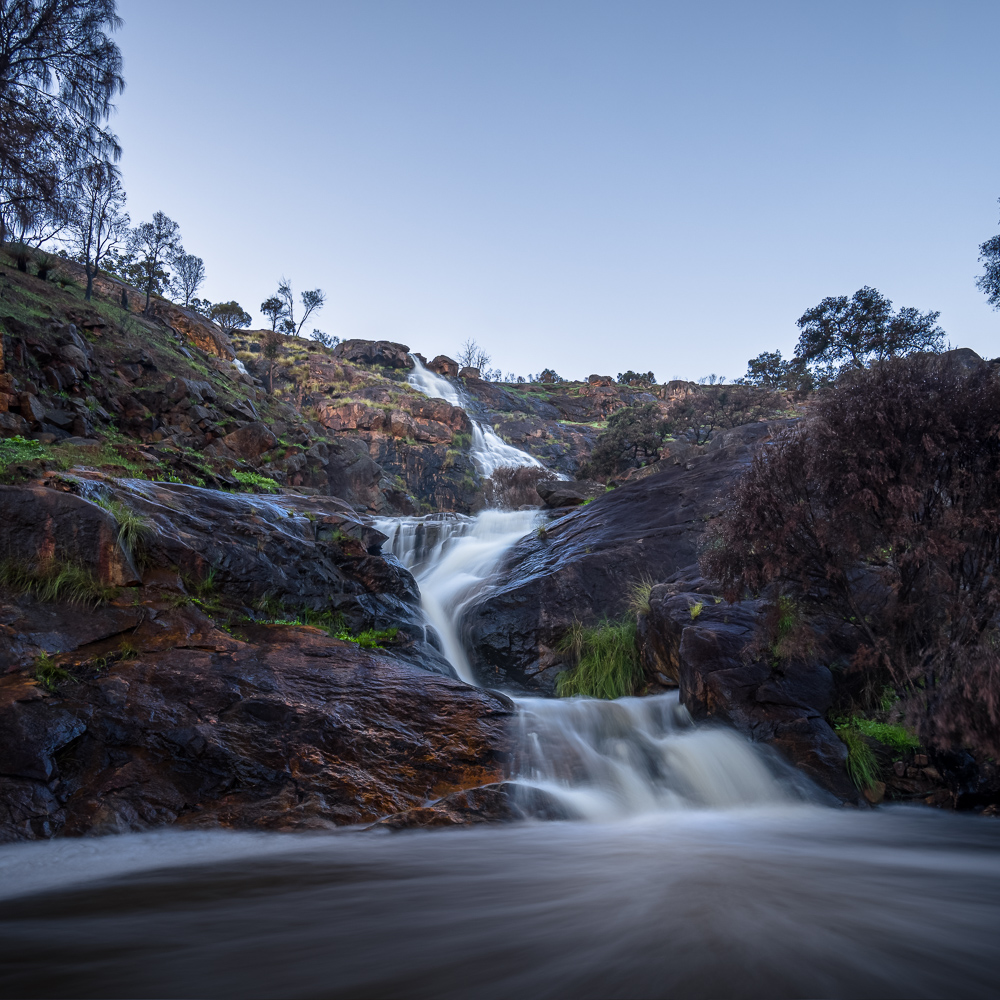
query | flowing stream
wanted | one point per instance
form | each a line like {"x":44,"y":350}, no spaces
{"x":701,"y":867}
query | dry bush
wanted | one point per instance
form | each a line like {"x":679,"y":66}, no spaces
{"x":881,"y":512}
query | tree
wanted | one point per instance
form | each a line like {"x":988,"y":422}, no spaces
{"x":989,"y":281}
{"x":274,"y":309}
{"x":633,"y":438}
{"x":471,"y":355}
{"x":769,"y":371}
{"x":59,"y":72}
{"x":326,"y":339}
{"x":270,"y":347}
{"x":230,"y":316}
{"x":187,"y":277}
{"x":697,"y":415}
{"x":644,"y":379}
{"x":854,"y":332}
{"x":311,"y":301}
{"x":876,"y":516}
{"x":99,"y":223}
{"x":153,"y":244}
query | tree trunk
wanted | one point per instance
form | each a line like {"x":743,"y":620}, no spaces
{"x":90,"y":282}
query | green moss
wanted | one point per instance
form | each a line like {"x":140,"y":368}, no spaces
{"x":606,"y":661}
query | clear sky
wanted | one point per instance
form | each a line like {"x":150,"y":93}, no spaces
{"x":584,"y":186}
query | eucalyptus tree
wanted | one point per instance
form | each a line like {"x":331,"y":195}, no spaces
{"x":153,"y":245}
{"x":99,"y":223}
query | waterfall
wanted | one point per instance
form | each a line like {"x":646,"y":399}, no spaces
{"x":606,"y":759}
{"x":488,"y":451}
{"x":453,"y":558}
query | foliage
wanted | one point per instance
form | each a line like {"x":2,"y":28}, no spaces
{"x":255,"y":480}
{"x":132,"y":526}
{"x":630,"y":377}
{"x":97,"y":221}
{"x":698,"y":415}
{"x":546,"y":375}
{"x":187,"y":278}
{"x":769,"y":371}
{"x":879,"y":511}
{"x":888,"y":734}
{"x":151,"y":245}
{"x":59,"y":72}
{"x":280,"y":308}
{"x":370,"y":638}
{"x":511,"y":487}
{"x":606,"y":661}
{"x":989,"y":281}
{"x":634,"y":437}
{"x":230,"y":316}
{"x":696,"y":609}
{"x":54,"y":582}
{"x":638,"y":600}
{"x":17,"y":450}
{"x":857,"y":331}
{"x":48,"y":673}
{"x":862,"y":765}
{"x":327,"y":340}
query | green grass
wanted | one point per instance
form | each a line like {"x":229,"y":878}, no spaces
{"x":370,"y":638}
{"x":48,"y":673}
{"x":886,"y":733}
{"x":638,"y":601}
{"x":255,"y":480}
{"x":18,"y":450}
{"x":862,"y":765}
{"x":55,"y":582}
{"x":606,"y":661}
{"x":132,"y":526}
{"x":696,"y":609}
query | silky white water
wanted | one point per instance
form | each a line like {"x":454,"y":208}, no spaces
{"x":488,"y":451}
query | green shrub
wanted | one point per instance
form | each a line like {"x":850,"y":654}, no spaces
{"x":606,"y":660}
{"x":886,"y":733}
{"x":55,"y":582}
{"x":862,"y":766}
{"x":256,"y":481}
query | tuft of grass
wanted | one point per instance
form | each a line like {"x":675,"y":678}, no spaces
{"x":370,"y":638}
{"x":606,"y":661}
{"x":48,"y":673}
{"x":638,"y":601}
{"x":255,"y":481}
{"x":696,"y":609}
{"x":862,"y":765}
{"x":132,"y":526}
{"x":887,"y":733}
{"x":206,"y":585}
{"x":55,"y":582}
{"x":127,"y":650}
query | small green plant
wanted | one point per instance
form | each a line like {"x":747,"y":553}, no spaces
{"x":370,"y":638}
{"x":862,"y":765}
{"x":696,"y":609}
{"x":17,"y":450}
{"x":206,"y":585}
{"x":887,"y":733}
{"x":606,"y":661}
{"x":255,"y":481}
{"x":48,"y":673}
{"x":127,"y":650}
{"x":638,"y":602}
{"x":55,"y":582}
{"x":132,"y":526}
{"x":541,"y":534}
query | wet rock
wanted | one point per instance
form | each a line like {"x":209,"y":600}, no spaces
{"x":570,"y":494}
{"x":285,"y":729}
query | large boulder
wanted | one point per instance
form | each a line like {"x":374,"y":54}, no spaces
{"x":443,"y":365}
{"x":251,"y":441}
{"x":283,"y":728}
{"x":584,"y":566}
{"x":374,"y":352}
{"x":710,"y":649}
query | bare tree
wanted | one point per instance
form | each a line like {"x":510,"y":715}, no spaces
{"x":187,"y":276}
{"x":471,"y":355}
{"x":59,"y":72}
{"x":99,"y":222}
{"x":154,"y":244}
{"x":311,"y":301}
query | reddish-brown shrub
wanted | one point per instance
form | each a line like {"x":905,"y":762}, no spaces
{"x":883,"y":510}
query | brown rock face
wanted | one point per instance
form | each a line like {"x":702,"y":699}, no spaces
{"x":250,"y":441}
{"x":443,"y":365}
{"x":288,"y":730}
{"x":42,"y":527}
{"x":374,"y":352}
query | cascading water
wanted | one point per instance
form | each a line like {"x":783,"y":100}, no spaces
{"x":488,"y":451}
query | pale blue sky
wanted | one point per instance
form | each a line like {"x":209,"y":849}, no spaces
{"x":577,"y":185}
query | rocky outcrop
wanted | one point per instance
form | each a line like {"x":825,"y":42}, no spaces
{"x":709,"y":649}
{"x":283,"y":729}
{"x":584,"y":565}
{"x":374,"y":352}
{"x":557,"y":493}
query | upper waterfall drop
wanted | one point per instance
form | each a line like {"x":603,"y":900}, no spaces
{"x":488,"y":451}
